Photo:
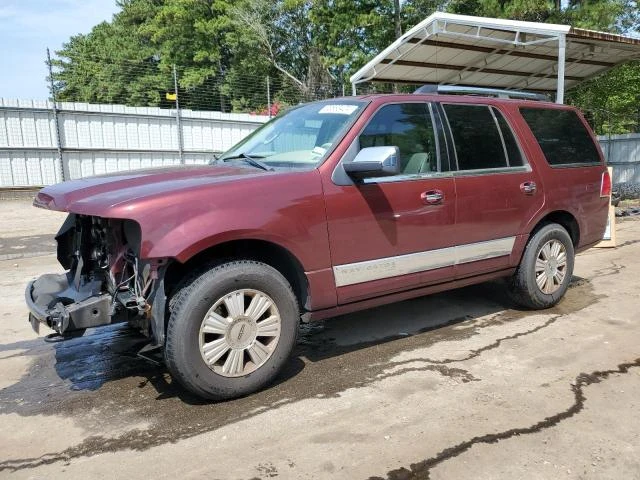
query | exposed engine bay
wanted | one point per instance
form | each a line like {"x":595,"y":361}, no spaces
{"x":105,"y":280}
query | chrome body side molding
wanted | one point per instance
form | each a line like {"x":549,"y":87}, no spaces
{"x":369,"y":270}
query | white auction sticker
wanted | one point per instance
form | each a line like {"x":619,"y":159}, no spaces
{"x":340,"y":109}
{"x":319,"y":150}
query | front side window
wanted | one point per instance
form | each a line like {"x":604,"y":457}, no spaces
{"x":301,"y":137}
{"x":407,"y":126}
{"x":481,"y":137}
{"x":561,"y":135}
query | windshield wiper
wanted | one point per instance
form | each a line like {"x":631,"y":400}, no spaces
{"x":251,"y":160}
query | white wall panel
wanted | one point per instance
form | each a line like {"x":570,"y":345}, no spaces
{"x":623,"y":154}
{"x":99,"y":139}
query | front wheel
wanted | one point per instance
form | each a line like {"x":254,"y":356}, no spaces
{"x":231,"y":329}
{"x":545,"y":270}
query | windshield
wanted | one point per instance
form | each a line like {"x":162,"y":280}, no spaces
{"x":301,"y":137}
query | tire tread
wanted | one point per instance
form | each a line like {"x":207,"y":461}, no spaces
{"x":175,"y":306}
{"x":519,"y":287}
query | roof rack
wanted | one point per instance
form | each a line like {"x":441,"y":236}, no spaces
{"x":481,"y":91}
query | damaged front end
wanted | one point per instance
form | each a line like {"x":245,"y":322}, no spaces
{"x":106,"y":282}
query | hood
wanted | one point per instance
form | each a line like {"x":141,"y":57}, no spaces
{"x":101,"y":194}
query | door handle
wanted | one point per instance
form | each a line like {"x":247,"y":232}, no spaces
{"x":432,"y":197}
{"x":528,"y":188}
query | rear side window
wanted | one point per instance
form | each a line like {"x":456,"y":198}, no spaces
{"x":561,"y":135}
{"x":482,"y":137}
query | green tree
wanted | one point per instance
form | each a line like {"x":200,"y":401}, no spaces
{"x":114,"y":63}
{"x":611,"y":101}
{"x":190,"y":34}
{"x":414,"y":11}
{"x":350,"y":33}
{"x":224,"y":50}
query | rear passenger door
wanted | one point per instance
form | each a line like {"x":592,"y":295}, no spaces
{"x":497,"y":191}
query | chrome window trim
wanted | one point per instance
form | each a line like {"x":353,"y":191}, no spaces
{"x":407,"y":177}
{"x":388,"y":267}
{"x":452,"y":174}
{"x":493,"y":171}
{"x":577,"y":164}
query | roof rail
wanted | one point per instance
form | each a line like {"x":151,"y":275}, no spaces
{"x":481,"y":91}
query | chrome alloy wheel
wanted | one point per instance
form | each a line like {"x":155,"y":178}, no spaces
{"x":551,"y":266}
{"x":239,"y":332}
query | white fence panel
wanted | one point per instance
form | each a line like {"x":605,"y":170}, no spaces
{"x":623,"y":154}
{"x":97,"y":139}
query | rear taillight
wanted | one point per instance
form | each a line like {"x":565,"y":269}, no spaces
{"x":605,"y":185}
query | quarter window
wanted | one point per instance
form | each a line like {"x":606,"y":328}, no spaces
{"x":481,"y":137}
{"x":561,"y":135}
{"x":407,"y":126}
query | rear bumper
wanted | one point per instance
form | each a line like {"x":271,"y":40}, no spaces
{"x":54,"y":300}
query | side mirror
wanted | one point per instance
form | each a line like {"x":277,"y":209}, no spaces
{"x":374,"y":162}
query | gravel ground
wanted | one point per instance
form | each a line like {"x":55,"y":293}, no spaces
{"x":627,"y":190}
{"x":455,"y":385}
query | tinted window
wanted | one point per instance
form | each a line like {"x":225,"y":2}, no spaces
{"x":476,"y":137}
{"x":407,"y":126}
{"x":514,"y":156}
{"x":561,"y":135}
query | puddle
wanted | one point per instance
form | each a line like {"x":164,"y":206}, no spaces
{"x":99,"y":376}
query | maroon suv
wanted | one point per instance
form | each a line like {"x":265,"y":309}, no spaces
{"x":332,"y":207}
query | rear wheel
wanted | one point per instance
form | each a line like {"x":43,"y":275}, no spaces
{"x":231,"y":329}
{"x":545,"y":270}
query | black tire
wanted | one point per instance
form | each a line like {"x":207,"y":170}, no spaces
{"x":522,"y":286}
{"x":187,"y":310}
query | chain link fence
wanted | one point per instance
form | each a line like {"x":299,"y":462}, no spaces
{"x":103,"y":117}
{"x":139,"y":114}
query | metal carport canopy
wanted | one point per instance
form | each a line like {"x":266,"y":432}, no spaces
{"x":450,"y":49}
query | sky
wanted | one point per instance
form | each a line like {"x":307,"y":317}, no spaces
{"x":28,"y":27}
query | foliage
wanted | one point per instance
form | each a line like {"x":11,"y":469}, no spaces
{"x":224,"y":50}
{"x":114,"y":62}
{"x":611,"y":101}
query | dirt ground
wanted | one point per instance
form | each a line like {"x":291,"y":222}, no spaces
{"x":455,"y":385}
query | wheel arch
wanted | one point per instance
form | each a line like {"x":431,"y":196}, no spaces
{"x":567,"y":220}
{"x":265,"y":251}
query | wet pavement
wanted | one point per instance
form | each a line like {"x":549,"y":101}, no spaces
{"x":453,"y":385}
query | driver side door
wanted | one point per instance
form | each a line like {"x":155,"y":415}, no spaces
{"x":394,"y":233}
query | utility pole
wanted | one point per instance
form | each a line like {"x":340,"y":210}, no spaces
{"x":396,"y":13}
{"x":178,"y":122}
{"x":268,"y":97}
{"x":398,"y":23}
{"x":56,"y":121}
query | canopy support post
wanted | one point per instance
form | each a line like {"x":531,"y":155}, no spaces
{"x":562,"y":47}
{"x":353,"y":89}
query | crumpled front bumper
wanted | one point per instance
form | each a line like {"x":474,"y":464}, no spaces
{"x":65,"y":306}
